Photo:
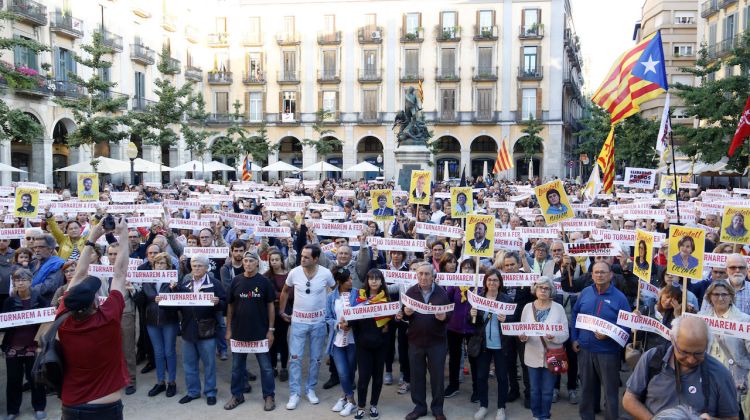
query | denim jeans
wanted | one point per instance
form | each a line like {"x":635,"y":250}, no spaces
{"x":346,"y":364}
{"x":240,"y":376}
{"x":221,"y":332}
{"x":164,"y":340}
{"x":299,"y":336}
{"x":542,"y":383}
{"x":485,"y":358}
{"x":193,"y":352}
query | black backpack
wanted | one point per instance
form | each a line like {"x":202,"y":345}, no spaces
{"x":49,"y":366}
{"x":656,"y":364}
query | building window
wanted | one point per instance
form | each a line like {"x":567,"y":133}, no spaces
{"x":684,"y":79}
{"x":528,"y":104}
{"x":412,"y":23}
{"x":370,"y":105}
{"x":289,"y":65}
{"x":288,"y":106}
{"x":329,"y":102}
{"x":221,"y":62}
{"x":530,"y":59}
{"x":680,"y":113}
{"x":253,"y":30}
{"x":25,"y":57}
{"x":329,"y":64}
{"x":289,"y":26}
{"x":221,"y":25}
{"x":730,"y":26}
{"x":448,"y":104}
{"x":370,"y":58}
{"x":448,"y":62}
{"x":484,"y":60}
{"x":254,"y":106}
{"x":449,"y":21}
{"x":684,"y":17}
{"x":65,"y":64}
{"x":221,"y":103}
{"x":189,"y":59}
{"x":683,"y":50}
{"x":486,"y":21}
{"x":329,"y":24}
{"x":411,"y":61}
{"x":254,"y":65}
{"x":139,"y":90}
{"x":531,"y":21}
{"x":484,"y":104}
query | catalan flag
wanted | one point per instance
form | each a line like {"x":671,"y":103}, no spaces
{"x":606,"y":161}
{"x":637,"y":76}
{"x":503,"y":161}
{"x":420,"y":92}
{"x":247,"y":168}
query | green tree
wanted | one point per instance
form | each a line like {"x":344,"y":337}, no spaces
{"x":531,"y":142}
{"x":92,"y":104}
{"x":194,"y":127}
{"x":325,"y":144}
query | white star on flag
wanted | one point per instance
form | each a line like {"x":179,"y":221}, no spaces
{"x":650,"y":65}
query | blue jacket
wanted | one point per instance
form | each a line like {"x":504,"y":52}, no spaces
{"x":605,"y":306}
{"x":331,"y":319}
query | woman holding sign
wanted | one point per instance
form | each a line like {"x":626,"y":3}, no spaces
{"x":341,"y":341}
{"x":541,"y":368}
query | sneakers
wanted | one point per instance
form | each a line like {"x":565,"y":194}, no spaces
{"x":374,"y":415}
{"x":450,"y":392}
{"x":400,"y":379}
{"x":293,"y":402}
{"x":573,"y":396}
{"x":500,"y":414}
{"x":555,"y":395}
{"x":481,"y":413}
{"x":388,"y":378}
{"x":404,"y":388}
{"x":312,"y":397}
{"x":339,"y":405}
{"x":360,"y":415}
{"x":40,"y":415}
{"x":348,"y":410}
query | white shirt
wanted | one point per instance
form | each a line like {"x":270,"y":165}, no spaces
{"x":437,"y":216}
{"x":319,"y":284}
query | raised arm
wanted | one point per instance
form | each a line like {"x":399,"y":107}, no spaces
{"x":82,"y":268}
{"x":121,"y":263}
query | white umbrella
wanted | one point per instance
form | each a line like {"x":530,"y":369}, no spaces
{"x":192,"y":166}
{"x":253,"y":167}
{"x":142,"y":165}
{"x":321,"y":166}
{"x":531,"y":169}
{"x":105,"y":166}
{"x":484,"y":170}
{"x":446,"y":178}
{"x":280,"y":166}
{"x":363,"y":167}
{"x":8,"y":168}
{"x":218,"y":166}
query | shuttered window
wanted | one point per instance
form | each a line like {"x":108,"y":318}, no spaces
{"x":221,"y":102}
{"x":484,"y":104}
{"x":447,"y":104}
{"x":411,"y":60}
{"x":329,"y":64}
{"x":484,"y":60}
{"x":528,"y":104}
{"x":448,"y":61}
{"x":370,"y":104}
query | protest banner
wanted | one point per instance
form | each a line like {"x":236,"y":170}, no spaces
{"x":625,"y":237}
{"x":598,"y":325}
{"x":123,"y":196}
{"x":579,"y":225}
{"x":248,"y":219}
{"x":640,"y":178}
{"x":668,"y":187}
{"x":210,"y":252}
{"x":511,"y":244}
{"x":480,"y":236}
{"x":726,"y":327}
{"x":333,"y":215}
{"x":642,"y":323}
{"x":136,"y":222}
{"x":644,"y":254}
{"x":520,"y":279}
{"x":539,"y":233}
{"x":648,"y":290}
{"x":425,"y":308}
{"x":283,"y":204}
{"x":656,"y":215}
{"x":405,"y":278}
{"x":273,"y":232}
{"x":260,"y":346}
{"x":394,"y":244}
{"x":152,"y":276}
{"x":712,"y":260}
{"x":334,"y":229}
{"x":377,"y":310}
{"x":190,"y":224}
{"x":685,"y":255}
{"x":432,"y":229}
{"x":344,"y":193}
{"x":304,"y":317}
{"x":28,"y":317}
{"x":26,"y":203}
{"x":6,"y":191}
{"x":457,"y":279}
{"x":12,"y":233}
{"x":489,"y":305}
{"x":507,"y":205}
{"x":533,"y":329}
{"x":735,"y":225}
{"x":462,"y":202}
{"x":554,"y":202}
{"x":590,"y":249}
{"x":62,"y":207}
{"x":182,"y":204}
{"x":88,"y":187}
{"x":186,"y":299}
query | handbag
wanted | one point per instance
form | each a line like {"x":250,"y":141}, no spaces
{"x":477,"y":341}
{"x":206,"y":328}
{"x":556,"y":359}
{"x":49,"y":366}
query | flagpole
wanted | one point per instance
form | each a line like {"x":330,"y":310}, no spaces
{"x":674,"y":170}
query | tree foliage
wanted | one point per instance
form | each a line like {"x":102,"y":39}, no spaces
{"x":246,"y":143}
{"x":193,"y":128}
{"x":325,"y":144}
{"x":531,"y":142}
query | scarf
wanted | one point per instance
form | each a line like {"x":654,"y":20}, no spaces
{"x":380,"y":321}
{"x":52,"y":264}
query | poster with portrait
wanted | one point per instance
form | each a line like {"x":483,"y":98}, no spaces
{"x":554,"y":202}
{"x":685,"y":254}
{"x":735,"y":225}
{"x":88,"y":187}
{"x":644,"y":255}
{"x":419,"y":187}
{"x":27,"y":202}
{"x":480,"y":236}
{"x":668,"y":188}
{"x":382,"y":205}
{"x":462,"y":202}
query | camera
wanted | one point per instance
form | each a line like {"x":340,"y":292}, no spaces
{"x":108,"y":223}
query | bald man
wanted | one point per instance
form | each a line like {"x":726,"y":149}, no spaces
{"x":705,"y":384}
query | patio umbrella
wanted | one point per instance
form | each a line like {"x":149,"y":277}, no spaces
{"x":363,"y":167}
{"x":105,"y":166}
{"x":142,"y":165}
{"x":253,"y":167}
{"x":446,"y":178}
{"x":218,"y":166}
{"x":192,"y":166}
{"x":321,"y":167}
{"x":8,"y":168}
{"x":280,"y":166}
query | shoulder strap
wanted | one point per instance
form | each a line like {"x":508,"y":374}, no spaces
{"x":50,"y":335}
{"x":705,"y":388}
{"x":655,"y":365}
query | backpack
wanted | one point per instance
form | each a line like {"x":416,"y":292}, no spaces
{"x":655,"y":366}
{"x":49,"y":366}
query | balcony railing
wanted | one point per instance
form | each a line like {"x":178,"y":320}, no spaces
{"x":329,"y":76}
{"x":169,"y":22}
{"x":370,"y":34}
{"x":411,"y":75}
{"x":412,"y":35}
{"x":329,"y":38}
{"x":194,"y":73}
{"x":530,"y":73}
{"x":68,"y":89}
{"x":257,"y":77}
{"x":142,"y":54}
{"x":332,"y":117}
{"x":141,"y":104}
{"x":723,"y":48}
{"x":447,"y":33}
{"x":370,"y":75}
{"x":448,"y":75}
{"x":725,"y":3}
{"x":111,"y":40}
{"x":255,"y":118}
{"x":535,"y":31}
{"x":485,"y":33}
{"x":173,"y":66}
{"x":484,"y":74}
{"x":30,"y":11}
{"x":484,"y":116}
{"x":709,"y":8}
{"x":219,"y":77}
{"x":369,"y":117}
{"x":252,"y":39}
{"x":447,"y":116}
{"x":287,"y":77}
{"x":288,"y":118}
{"x":37,"y":87}
{"x":223,"y":118}
{"x":537,"y":114}
{"x":191,"y":34}
{"x":218,"y":39}
{"x":111,"y":96}
{"x":65,"y":24}
{"x":287,"y":38}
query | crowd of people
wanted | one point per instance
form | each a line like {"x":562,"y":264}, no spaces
{"x":242,"y":288}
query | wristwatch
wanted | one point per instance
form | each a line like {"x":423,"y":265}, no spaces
{"x":272,"y":329}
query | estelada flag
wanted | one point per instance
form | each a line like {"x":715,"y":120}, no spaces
{"x":606,"y":161}
{"x":743,"y":129}
{"x":503,"y":162}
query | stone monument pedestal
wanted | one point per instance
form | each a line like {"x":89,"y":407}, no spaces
{"x":411,"y":158}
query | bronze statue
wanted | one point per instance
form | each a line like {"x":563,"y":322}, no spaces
{"x":412,"y":127}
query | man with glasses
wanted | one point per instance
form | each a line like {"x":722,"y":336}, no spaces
{"x":736,"y":267}
{"x":311,"y":283}
{"x":705,"y":384}
{"x":46,"y":267}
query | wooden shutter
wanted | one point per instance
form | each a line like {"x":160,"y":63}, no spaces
{"x":538,"y":103}
{"x":538,"y":58}
{"x":519,"y":105}
{"x":523,"y":19}
{"x":320,"y":100}
{"x":281,"y":104}
{"x":403,"y":24}
{"x":247,"y":103}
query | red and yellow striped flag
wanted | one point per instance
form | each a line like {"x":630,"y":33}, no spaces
{"x":247,"y":169}
{"x":503,"y":161}
{"x":420,"y":92}
{"x":606,"y":162}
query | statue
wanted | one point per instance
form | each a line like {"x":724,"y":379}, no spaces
{"x":412,"y":127}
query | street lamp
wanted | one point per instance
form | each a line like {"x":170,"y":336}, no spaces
{"x":132,"y":153}
{"x":379,"y":159}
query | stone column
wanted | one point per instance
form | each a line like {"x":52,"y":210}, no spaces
{"x":5,"y":177}
{"x":151,"y":154}
{"x":554,"y":156}
{"x":465,"y":160}
{"x":389,"y":162}
{"x":41,"y":161}
{"x":309,"y":156}
{"x":118,"y":150}
{"x":273,"y":158}
{"x":349,"y":152}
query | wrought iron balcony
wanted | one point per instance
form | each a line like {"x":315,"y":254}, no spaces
{"x":535,"y":31}
{"x":173,"y":66}
{"x":447,"y":75}
{"x":68,"y":89}
{"x":370,"y":34}
{"x":447,"y":117}
{"x":329,"y":38}
{"x":709,"y":8}
{"x":369,"y":118}
{"x":141,"y":104}
{"x":194,"y":73}
{"x":411,"y":75}
{"x":724,"y":3}
{"x":530,"y":73}
{"x":485,"y":33}
{"x":329,"y":76}
{"x":412,"y":35}
{"x":169,"y":22}
{"x":287,"y":77}
{"x":370,"y":75}
{"x":111,"y":40}
{"x":257,"y":77}
{"x":484,"y":74}
{"x":287,"y":38}
{"x":484,"y":116}
{"x":223,"y":119}
{"x":218,"y":39}
{"x":65,"y":24}
{"x":30,"y":11}
{"x":447,"y":33}
{"x":142,"y":54}
{"x":111,"y":96}
{"x":216,"y":77}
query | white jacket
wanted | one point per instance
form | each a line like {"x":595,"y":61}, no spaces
{"x":534,"y":351}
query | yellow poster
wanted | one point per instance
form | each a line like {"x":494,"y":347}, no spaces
{"x":667,"y":187}
{"x":382,"y":205}
{"x":480,"y":236}
{"x":27,"y":202}
{"x":735,"y":226}
{"x":644,"y":254}
{"x":88,"y":187}
{"x":419,"y":188}
{"x":554,"y":202}
{"x":462,"y":202}
{"x":685,"y":255}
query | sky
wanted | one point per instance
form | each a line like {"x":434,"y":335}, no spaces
{"x":603,"y":39}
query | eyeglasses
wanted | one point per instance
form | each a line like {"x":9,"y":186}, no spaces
{"x":543,"y":288}
{"x":697,"y":355}
{"x":736,"y":267}
{"x":720,"y":295}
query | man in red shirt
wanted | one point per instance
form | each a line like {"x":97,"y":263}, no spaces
{"x":91,"y":341}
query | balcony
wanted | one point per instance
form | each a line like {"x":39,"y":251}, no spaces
{"x":218,"y":39}
{"x":287,"y":38}
{"x":530,"y":73}
{"x":142,"y":54}
{"x":141,"y":9}
{"x":286,"y":77}
{"x":116,"y":96}
{"x":447,"y":75}
{"x":141,"y":104}
{"x":333,"y":117}
{"x":329,"y":76}
{"x":191,"y":34}
{"x":485,"y":33}
{"x":66,"y":25}
{"x":709,"y":8}
{"x":369,"y":118}
{"x":68,"y":89}
{"x":111,"y":40}
{"x":173,"y":66}
{"x":29,"y":11}
{"x":38,"y":87}
{"x":254,"y":118}
{"x":257,"y":77}
{"x":288,"y":118}
{"x":329,"y":38}
{"x":484,"y":74}
{"x":411,"y":75}
{"x":216,"y":77}
{"x":370,"y":75}
{"x":484,"y":116}
{"x":723,"y":48}
{"x":252,"y":39}
{"x":222,"y":119}
{"x":412,"y":35}
{"x":447,"y":117}
{"x":447,"y":33}
{"x":370,"y":34}
{"x":169,"y":23}
{"x":194,"y":73}
{"x":540,"y":116}
{"x":535,"y":31}
{"x":724,"y":3}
